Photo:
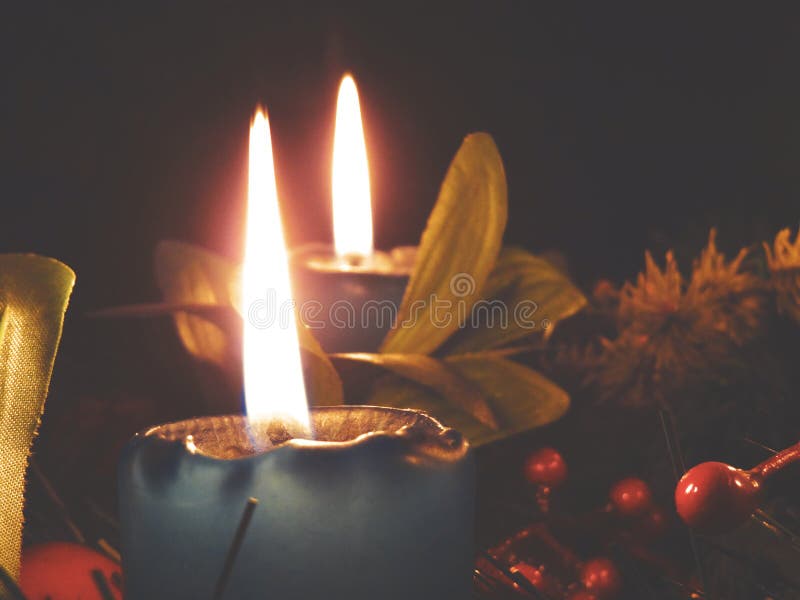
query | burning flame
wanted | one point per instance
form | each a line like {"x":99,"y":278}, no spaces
{"x":352,"y":208}
{"x":273,"y":374}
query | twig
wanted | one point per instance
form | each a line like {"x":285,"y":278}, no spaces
{"x":154,"y":309}
{"x":109,"y":550}
{"x":732,"y":554}
{"x":777,"y":528}
{"x":101,"y":584}
{"x":759,"y":445}
{"x":678,"y":468}
{"x":101,"y":515}
{"x":233,"y":551}
{"x":55,"y":499}
{"x":517,"y":578}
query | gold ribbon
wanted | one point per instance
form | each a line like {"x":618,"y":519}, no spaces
{"x":34,"y":292}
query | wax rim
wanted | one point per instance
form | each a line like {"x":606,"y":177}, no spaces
{"x":423,"y":433}
{"x":322,"y":258}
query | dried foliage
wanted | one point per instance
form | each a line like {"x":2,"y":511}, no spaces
{"x":784,"y":266}
{"x":674,"y":333}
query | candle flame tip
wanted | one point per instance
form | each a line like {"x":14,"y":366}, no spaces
{"x":352,"y":203}
{"x":260,"y":114}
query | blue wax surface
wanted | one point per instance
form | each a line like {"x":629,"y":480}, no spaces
{"x":378,"y":518}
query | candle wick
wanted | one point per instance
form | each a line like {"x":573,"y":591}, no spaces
{"x":278,"y":433}
{"x":233,"y":551}
{"x":354,"y":260}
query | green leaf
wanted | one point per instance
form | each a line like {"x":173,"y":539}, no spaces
{"x":436,"y":375}
{"x":34,"y":292}
{"x":202,"y":292}
{"x":535,"y":295}
{"x":457,"y":251}
{"x":520,"y":398}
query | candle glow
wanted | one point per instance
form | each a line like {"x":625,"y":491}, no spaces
{"x":352,"y":204}
{"x":273,"y":374}
{"x":380,"y":504}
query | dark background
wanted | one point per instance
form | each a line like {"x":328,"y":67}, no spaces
{"x":621,"y":128}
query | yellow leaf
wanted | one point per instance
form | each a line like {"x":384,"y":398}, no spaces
{"x":521,"y":398}
{"x":530,"y":295}
{"x":324,"y":386}
{"x":187,"y":274}
{"x":457,"y":251}
{"x":397,"y":392}
{"x":436,"y":375}
{"x":202,"y":293}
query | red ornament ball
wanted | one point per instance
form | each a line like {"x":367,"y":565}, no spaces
{"x":714,"y":497}
{"x":601,"y":578}
{"x":631,"y":497}
{"x":62,"y":571}
{"x":547,"y":467}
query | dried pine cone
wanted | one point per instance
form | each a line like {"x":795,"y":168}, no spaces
{"x":784,"y":266}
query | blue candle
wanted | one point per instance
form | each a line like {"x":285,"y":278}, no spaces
{"x":380,"y":505}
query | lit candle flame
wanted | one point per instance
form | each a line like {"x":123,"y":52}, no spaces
{"x":273,"y":374}
{"x":352,"y":207}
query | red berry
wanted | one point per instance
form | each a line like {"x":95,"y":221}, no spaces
{"x":62,"y":571}
{"x":546,"y":467}
{"x":631,"y":497}
{"x":601,"y":578}
{"x":653,"y":523}
{"x":714,"y":497}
